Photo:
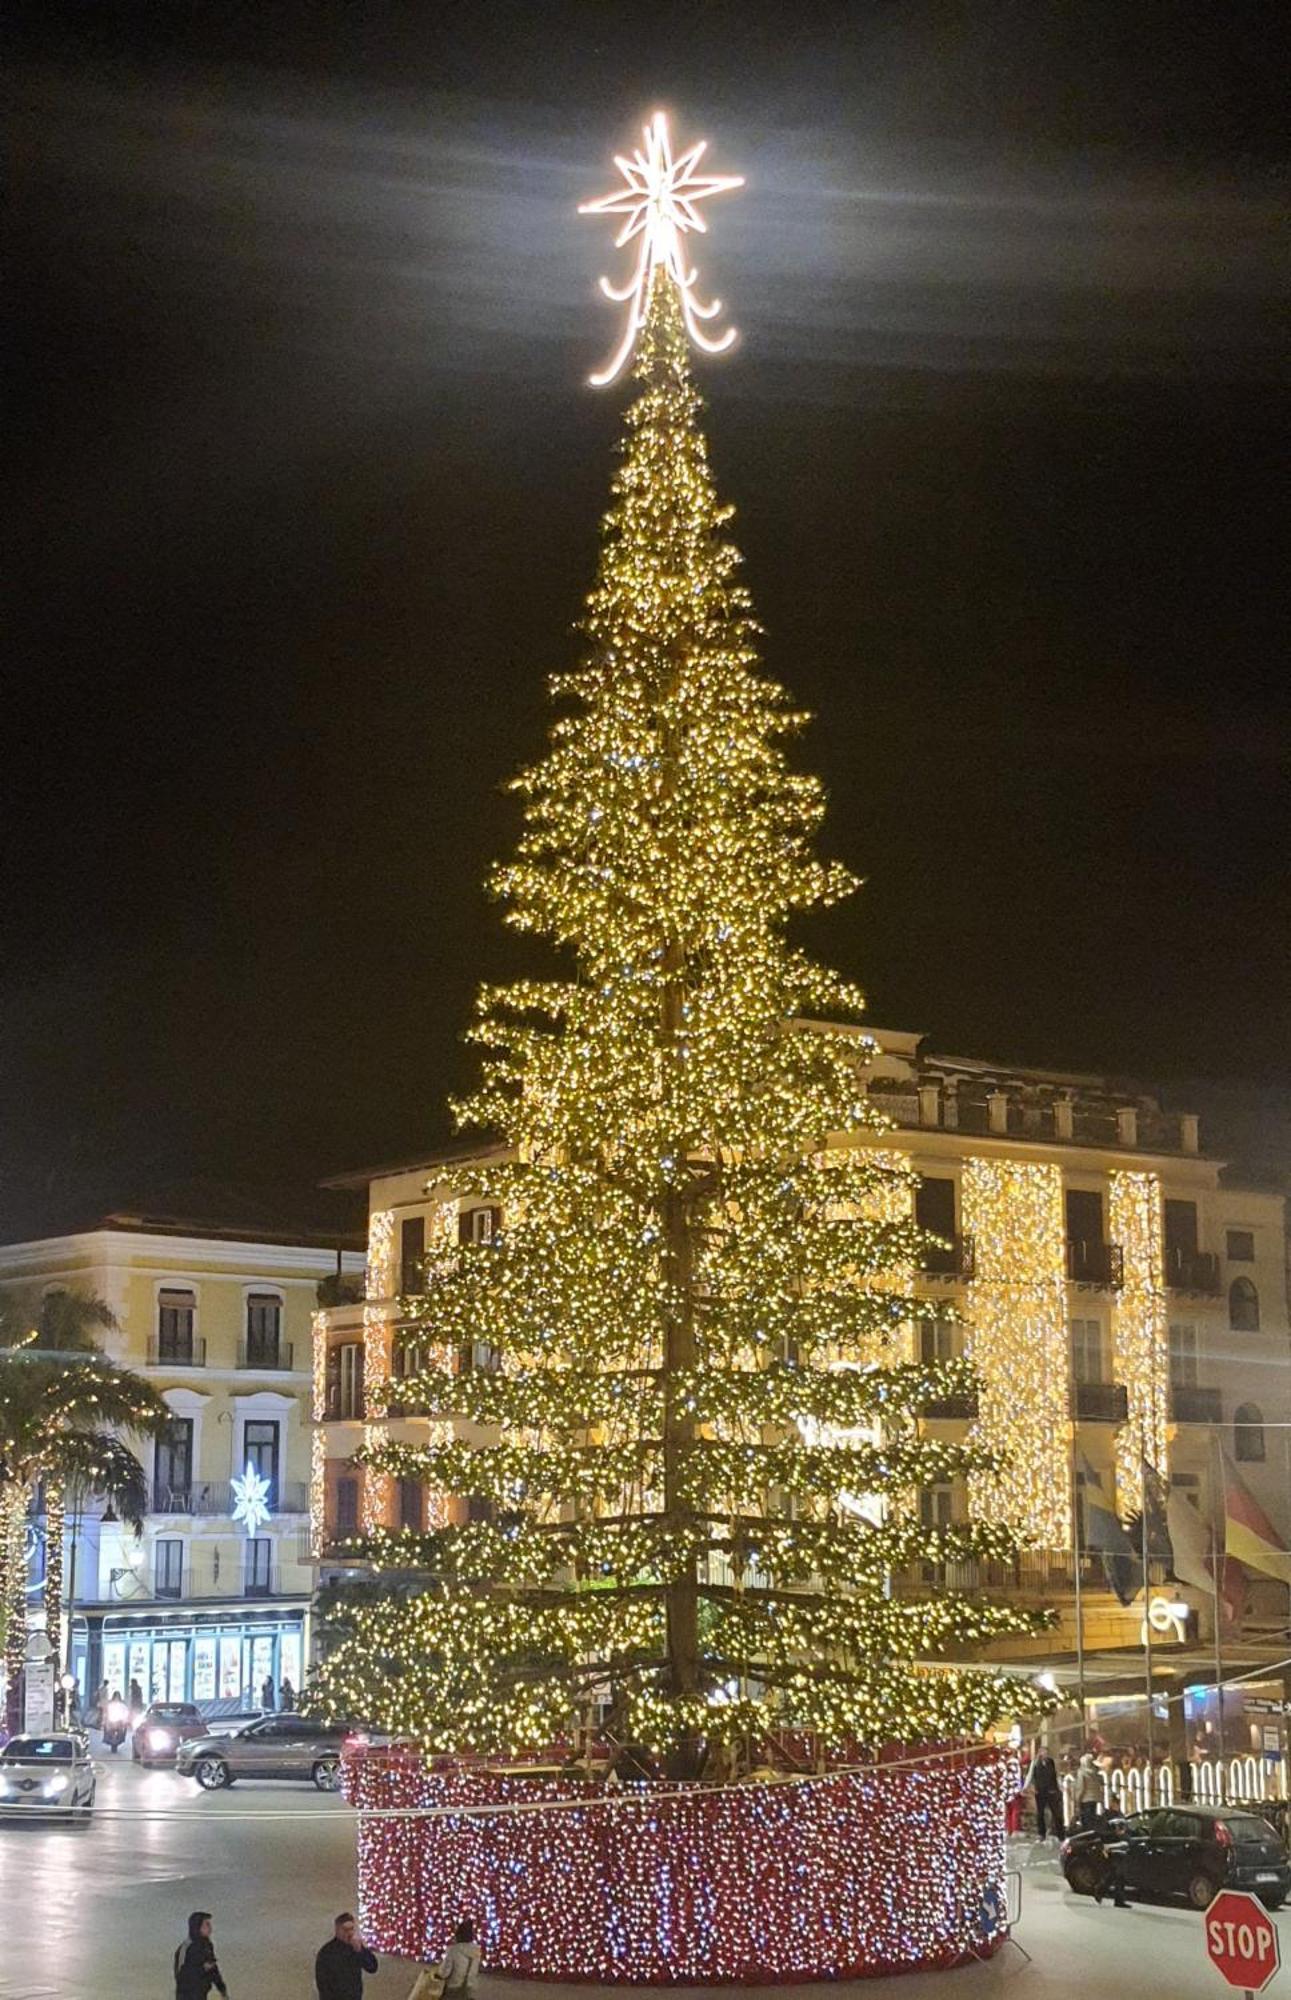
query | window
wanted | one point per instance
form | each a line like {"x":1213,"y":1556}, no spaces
{"x":1087,"y":1350}
{"x":937,"y":1340}
{"x":412,"y":1504}
{"x":264,"y":1327}
{"x":1241,"y":1246}
{"x":168,"y":1568}
{"x":412,"y":1255}
{"x":345,"y":1380}
{"x":260,"y":1448}
{"x":936,"y":1506}
{"x":1180,"y":1231}
{"x":1084,"y":1215}
{"x":480,"y":1356}
{"x":347,"y":1507}
{"x":1248,"y":1433}
{"x":479,"y":1225}
{"x":173,"y":1464}
{"x":259,"y":1566}
{"x":176,"y":1312}
{"x":1183,"y":1357}
{"x":1243,"y":1306}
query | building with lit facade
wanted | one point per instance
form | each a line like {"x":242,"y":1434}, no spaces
{"x":1121,"y":1298}
{"x":214,"y":1598}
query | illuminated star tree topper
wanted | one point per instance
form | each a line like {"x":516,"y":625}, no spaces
{"x":659,"y":203}
{"x":251,"y":1500}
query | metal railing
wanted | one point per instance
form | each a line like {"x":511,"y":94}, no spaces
{"x":1214,"y":1781}
{"x":264,"y":1353}
{"x":342,"y":1409}
{"x":172,"y":1353}
{"x":1192,"y":1404}
{"x":207,"y":1499}
{"x":953,"y":1257}
{"x":1102,"y":1402}
{"x":1091,"y":1263}
{"x":1193,"y":1271}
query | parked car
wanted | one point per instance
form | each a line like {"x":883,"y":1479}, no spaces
{"x":47,"y":1776}
{"x":162,"y":1728}
{"x":278,"y":1746}
{"x":229,"y":1725}
{"x":1186,"y":1850}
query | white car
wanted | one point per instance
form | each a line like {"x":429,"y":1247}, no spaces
{"x":46,"y":1777}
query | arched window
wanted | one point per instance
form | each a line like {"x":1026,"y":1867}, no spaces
{"x":1243,"y":1306}
{"x":1248,"y":1433}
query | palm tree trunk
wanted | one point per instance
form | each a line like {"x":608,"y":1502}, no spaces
{"x":13,"y":1596}
{"x":55,"y":1522}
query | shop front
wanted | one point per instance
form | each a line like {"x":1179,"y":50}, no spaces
{"x":219,"y":1657}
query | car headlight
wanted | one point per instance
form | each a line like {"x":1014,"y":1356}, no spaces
{"x":6,"y":1788}
{"x":53,"y":1786}
{"x":160,"y":1739}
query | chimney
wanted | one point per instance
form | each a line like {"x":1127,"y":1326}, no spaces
{"x":1189,"y":1132}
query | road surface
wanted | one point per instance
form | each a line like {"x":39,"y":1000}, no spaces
{"x":95,"y":1913}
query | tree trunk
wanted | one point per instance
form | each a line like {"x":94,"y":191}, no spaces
{"x":13,"y":1597}
{"x":55,"y":1522}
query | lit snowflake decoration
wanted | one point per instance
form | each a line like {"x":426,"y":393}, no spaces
{"x":251,"y":1500}
{"x":659,"y":204}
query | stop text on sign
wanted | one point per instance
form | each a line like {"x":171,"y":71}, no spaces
{"x":1241,"y":1940}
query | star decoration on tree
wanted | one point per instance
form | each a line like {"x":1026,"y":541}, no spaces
{"x":251,"y":1500}
{"x":659,"y":203}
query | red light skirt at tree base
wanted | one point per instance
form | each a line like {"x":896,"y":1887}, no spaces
{"x":896,"y":1867}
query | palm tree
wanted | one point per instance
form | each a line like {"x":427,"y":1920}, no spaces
{"x":62,"y":1403}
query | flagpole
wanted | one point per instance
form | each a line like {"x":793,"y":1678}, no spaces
{"x":1218,"y":1469}
{"x":1075,"y":1571}
{"x":1147,"y":1621}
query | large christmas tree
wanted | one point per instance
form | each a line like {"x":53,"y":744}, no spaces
{"x":702,"y":1446}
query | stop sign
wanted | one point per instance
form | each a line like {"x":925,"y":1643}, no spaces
{"x":1242,"y":1940}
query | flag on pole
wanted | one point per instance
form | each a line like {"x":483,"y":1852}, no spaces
{"x":1249,"y":1535}
{"x":1104,"y":1533}
{"x":1189,"y":1543}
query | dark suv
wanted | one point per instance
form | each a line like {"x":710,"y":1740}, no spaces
{"x":278,"y":1746}
{"x":1185,"y":1850}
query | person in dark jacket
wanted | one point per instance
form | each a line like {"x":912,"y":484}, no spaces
{"x":196,"y":1972}
{"x":342,"y":1962}
{"x":1047,"y":1787}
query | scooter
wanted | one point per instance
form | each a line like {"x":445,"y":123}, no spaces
{"x":114,"y":1725}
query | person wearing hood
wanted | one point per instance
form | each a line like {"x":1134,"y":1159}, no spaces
{"x":196,"y":1971}
{"x":1089,"y":1791}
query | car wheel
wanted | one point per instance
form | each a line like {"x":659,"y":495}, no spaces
{"x":327,"y":1774}
{"x":1083,"y":1877}
{"x":211,"y":1773}
{"x":1202,"y":1891}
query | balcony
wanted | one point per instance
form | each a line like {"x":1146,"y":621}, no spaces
{"x":953,"y":1257}
{"x":1101,"y":1265}
{"x":266,"y":1354}
{"x":961,"y":1408}
{"x":1195,"y":1271}
{"x":1190,"y":1404}
{"x":165,"y":1351}
{"x":1102,"y":1402}
{"x":214,"y":1499}
{"x":342,"y":1408}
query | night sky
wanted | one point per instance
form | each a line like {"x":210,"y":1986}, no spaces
{"x":306,"y":487}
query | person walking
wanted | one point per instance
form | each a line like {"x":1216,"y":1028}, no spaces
{"x":99,"y":1708}
{"x":1089,"y":1792}
{"x":342,"y":1962}
{"x":459,"y":1968}
{"x":135,"y":1701}
{"x":266,"y":1692}
{"x":1048,"y":1795}
{"x":286,"y":1696}
{"x":196,"y":1970}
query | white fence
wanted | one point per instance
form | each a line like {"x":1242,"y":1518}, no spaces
{"x":1235,"y":1781}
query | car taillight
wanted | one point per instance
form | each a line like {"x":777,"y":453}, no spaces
{"x":1223,"y":1834}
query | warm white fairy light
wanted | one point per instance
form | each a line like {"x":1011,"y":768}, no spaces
{"x":658,"y":202}
{"x":1140,"y":1337}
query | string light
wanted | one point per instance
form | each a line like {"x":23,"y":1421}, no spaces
{"x":660,"y":200}
{"x":1140,"y":1338}
{"x":855,"y":1873}
{"x":1016,"y":1334}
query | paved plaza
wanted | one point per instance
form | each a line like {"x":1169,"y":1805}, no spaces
{"x":96,"y":1912}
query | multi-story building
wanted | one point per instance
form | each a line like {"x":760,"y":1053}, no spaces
{"x":214,"y":1598}
{"x":1124,"y":1301}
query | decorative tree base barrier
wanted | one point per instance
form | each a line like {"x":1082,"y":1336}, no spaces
{"x":894,"y":1867}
